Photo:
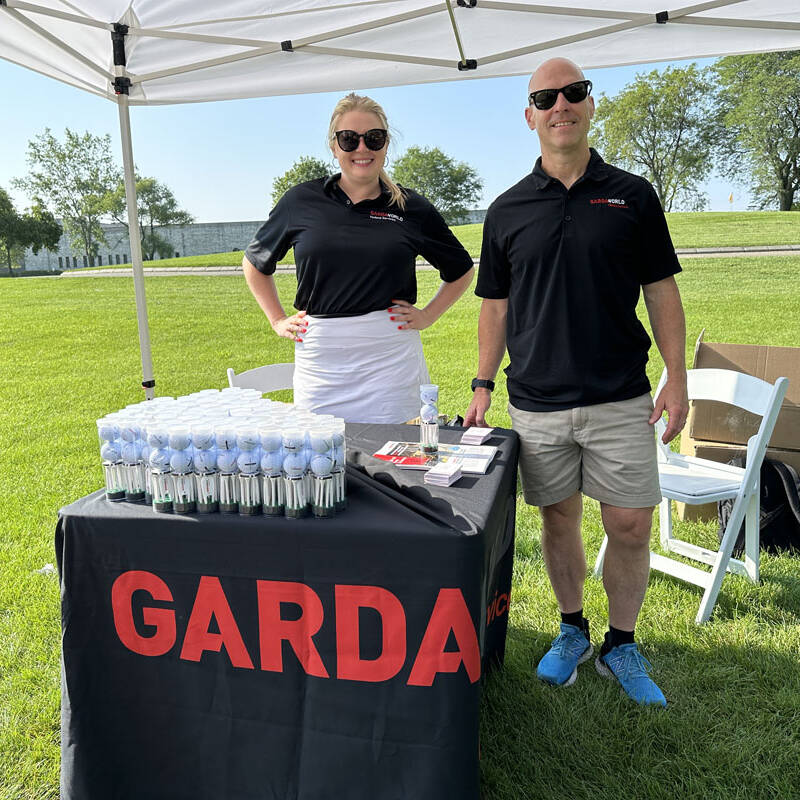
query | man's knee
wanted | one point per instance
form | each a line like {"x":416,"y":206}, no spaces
{"x":564,"y":515}
{"x":629,"y":527}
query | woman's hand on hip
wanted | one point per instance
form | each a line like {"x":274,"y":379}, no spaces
{"x":291,"y":327}
{"x":410,"y":317}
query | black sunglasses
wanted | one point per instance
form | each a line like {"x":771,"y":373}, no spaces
{"x":374,"y":139}
{"x":573,"y":92}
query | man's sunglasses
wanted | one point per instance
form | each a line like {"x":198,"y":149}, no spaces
{"x":374,"y":139}
{"x":573,"y":92}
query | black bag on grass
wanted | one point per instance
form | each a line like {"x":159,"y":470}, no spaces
{"x":780,"y":508}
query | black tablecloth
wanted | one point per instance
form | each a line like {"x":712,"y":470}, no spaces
{"x":233,"y":657}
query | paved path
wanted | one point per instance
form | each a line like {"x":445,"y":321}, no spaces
{"x":696,"y":252}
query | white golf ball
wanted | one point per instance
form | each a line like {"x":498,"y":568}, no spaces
{"x":129,"y":433}
{"x":158,"y":439}
{"x":294,"y":465}
{"x":179,"y":440}
{"x":110,"y":452}
{"x":108,"y":431}
{"x":320,"y":443}
{"x":159,"y":458}
{"x":226,"y":439}
{"x":131,"y":452}
{"x":271,"y":441}
{"x":203,"y":439}
{"x":338,"y":439}
{"x":226,"y":461}
{"x":272,"y":462}
{"x":429,"y":413}
{"x":181,"y":461}
{"x":248,"y":462}
{"x":247,"y":440}
{"x":205,"y":460}
{"x":321,"y":465}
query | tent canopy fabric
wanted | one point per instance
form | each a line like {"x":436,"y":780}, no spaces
{"x":179,"y":51}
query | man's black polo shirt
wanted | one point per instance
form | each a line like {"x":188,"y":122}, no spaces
{"x":571,"y":263}
{"x":355,"y":258}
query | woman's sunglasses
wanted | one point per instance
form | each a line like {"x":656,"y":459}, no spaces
{"x":573,"y":92}
{"x":374,"y":139}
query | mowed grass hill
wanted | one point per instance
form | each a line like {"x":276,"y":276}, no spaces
{"x":689,"y":230}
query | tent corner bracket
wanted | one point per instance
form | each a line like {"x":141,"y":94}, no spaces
{"x":662,"y":17}
{"x":468,"y":64}
{"x":287,"y":46}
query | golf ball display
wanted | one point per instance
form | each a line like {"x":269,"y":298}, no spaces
{"x":219,"y":451}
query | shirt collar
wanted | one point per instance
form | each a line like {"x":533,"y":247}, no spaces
{"x":596,"y":170}
{"x":332,"y":189}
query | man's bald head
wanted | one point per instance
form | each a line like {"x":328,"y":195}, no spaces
{"x":542,"y":74}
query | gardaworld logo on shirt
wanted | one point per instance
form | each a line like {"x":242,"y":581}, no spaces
{"x":616,"y":202}
{"x":385,"y":216}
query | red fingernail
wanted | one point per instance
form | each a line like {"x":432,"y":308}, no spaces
{"x":391,"y":318}
{"x":299,"y":340}
{"x":399,"y":327}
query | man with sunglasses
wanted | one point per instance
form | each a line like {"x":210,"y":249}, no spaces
{"x":566,"y":252}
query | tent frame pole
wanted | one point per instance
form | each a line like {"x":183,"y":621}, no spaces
{"x":148,"y":381}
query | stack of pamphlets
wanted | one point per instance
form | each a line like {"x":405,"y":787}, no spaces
{"x":476,"y":435}
{"x":445,"y":473}
{"x":473,"y":459}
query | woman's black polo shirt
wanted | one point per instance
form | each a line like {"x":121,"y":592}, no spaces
{"x":571,"y":263}
{"x":355,"y":258}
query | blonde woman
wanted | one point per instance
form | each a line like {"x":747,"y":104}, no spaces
{"x":356,"y":237}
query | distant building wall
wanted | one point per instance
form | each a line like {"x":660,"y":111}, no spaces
{"x":197,"y":239}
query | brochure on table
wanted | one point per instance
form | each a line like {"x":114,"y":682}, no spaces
{"x":473,"y":459}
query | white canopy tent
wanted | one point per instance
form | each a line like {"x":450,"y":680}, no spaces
{"x":150,"y":52}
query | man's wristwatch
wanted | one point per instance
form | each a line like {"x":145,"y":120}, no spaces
{"x":482,"y":383}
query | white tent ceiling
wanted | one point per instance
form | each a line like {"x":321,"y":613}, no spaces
{"x":183,"y":51}
{"x":193,"y":50}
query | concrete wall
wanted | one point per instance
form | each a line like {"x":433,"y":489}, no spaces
{"x":197,"y":239}
{"x":187,"y":240}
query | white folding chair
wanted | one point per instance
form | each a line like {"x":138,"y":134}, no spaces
{"x":268,"y":378}
{"x":697,"y":480}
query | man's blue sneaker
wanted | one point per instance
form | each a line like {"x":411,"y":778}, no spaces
{"x":625,"y":664}
{"x":559,"y":665}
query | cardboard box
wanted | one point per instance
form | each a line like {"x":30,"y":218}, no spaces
{"x":722,"y":453}
{"x":720,"y":422}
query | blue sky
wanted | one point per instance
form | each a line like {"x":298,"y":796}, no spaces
{"x":220,"y":158}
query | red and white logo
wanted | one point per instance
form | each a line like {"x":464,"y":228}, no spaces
{"x":614,"y":202}
{"x":385,"y":216}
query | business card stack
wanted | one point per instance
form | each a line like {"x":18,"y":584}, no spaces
{"x":476,"y":435}
{"x":445,"y":473}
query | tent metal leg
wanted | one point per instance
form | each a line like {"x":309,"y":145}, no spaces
{"x":148,"y":381}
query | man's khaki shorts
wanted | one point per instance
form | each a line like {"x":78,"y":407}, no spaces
{"x":607,"y":451}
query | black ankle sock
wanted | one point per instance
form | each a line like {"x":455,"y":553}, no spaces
{"x":578,"y":620}
{"x":575,"y":618}
{"x":615,"y":637}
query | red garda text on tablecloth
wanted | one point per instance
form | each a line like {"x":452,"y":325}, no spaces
{"x":449,"y":620}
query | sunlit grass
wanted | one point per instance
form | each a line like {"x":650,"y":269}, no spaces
{"x":69,"y":353}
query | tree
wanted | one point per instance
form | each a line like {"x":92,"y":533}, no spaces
{"x":759,"y":97}
{"x":72,"y":179}
{"x":157,"y":207}
{"x":35,"y":229}
{"x":452,"y":186}
{"x":662,"y":126}
{"x":306,"y":168}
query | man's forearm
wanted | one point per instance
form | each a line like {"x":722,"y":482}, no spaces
{"x":665,"y":311}
{"x":491,"y":337}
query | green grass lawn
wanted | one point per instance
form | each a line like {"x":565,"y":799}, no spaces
{"x":706,"y":229}
{"x":70,"y":354}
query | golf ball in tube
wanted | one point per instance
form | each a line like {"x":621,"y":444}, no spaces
{"x":110,"y":452}
{"x":159,"y":459}
{"x":181,"y":461}
{"x":205,"y":460}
